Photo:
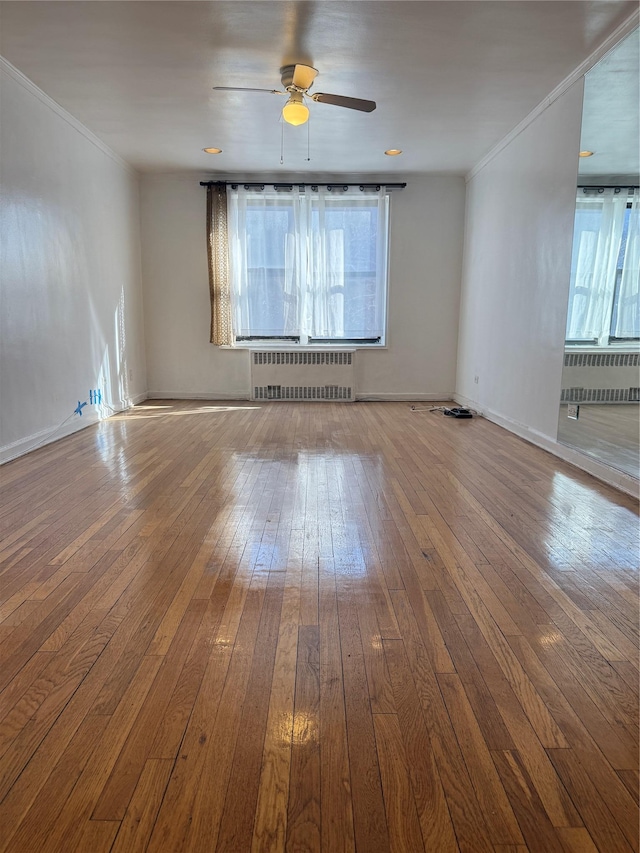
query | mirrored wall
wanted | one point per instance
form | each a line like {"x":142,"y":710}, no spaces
{"x":600,"y":402}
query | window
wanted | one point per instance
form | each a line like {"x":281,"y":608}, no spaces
{"x":308,"y":266}
{"x":603,"y":298}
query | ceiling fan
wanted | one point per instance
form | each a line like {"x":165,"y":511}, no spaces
{"x":297,"y":80}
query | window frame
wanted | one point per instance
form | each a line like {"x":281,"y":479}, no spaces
{"x":308,"y":342}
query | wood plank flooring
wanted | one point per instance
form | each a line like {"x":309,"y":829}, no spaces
{"x":608,"y":433}
{"x":314,"y":627}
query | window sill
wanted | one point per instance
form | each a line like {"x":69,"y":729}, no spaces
{"x":288,"y":347}
{"x":589,"y":348}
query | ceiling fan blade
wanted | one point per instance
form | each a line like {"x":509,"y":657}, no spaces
{"x":246,"y":89}
{"x":303,"y":76}
{"x":342,"y":101}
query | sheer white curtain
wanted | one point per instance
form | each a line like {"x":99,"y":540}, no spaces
{"x":266,"y":263}
{"x":627,"y":318}
{"x":347,"y":263}
{"x":309,"y":263}
{"x":598,"y":231}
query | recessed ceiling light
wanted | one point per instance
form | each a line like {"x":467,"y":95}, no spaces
{"x":212,"y":150}
{"x":585,"y":154}
{"x":393,"y":152}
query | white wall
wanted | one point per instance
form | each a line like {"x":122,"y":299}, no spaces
{"x":70,"y":291}
{"x":180,"y":360}
{"x":515,"y":281}
{"x":517,"y":258}
{"x":427,"y":221}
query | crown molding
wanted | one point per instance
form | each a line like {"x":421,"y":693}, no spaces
{"x":16,"y":75}
{"x":577,"y":74}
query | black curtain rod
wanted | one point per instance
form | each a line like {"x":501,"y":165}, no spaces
{"x":286,"y":185}
{"x":618,"y":187}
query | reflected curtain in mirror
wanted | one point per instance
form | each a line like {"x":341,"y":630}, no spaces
{"x":218,"y":257}
{"x":626,"y":320}
{"x":604,"y":274}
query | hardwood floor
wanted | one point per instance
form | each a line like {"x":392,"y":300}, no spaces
{"x":314,"y":627}
{"x":608,"y":433}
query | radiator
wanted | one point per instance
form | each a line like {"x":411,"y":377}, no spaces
{"x":303,"y":375}
{"x":600,"y":378}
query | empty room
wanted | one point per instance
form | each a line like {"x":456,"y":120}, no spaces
{"x":319,"y":426}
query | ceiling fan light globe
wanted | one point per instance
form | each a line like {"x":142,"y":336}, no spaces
{"x":295,"y":113}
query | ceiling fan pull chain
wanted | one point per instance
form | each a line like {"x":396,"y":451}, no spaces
{"x":308,"y":142}
{"x":281,"y":142}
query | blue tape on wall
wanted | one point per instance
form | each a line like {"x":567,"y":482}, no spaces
{"x":95,"y":399}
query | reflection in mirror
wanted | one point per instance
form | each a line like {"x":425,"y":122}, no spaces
{"x":600,"y":402}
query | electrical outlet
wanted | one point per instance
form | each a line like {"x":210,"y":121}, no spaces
{"x":130,"y":374}
{"x":475,"y":379}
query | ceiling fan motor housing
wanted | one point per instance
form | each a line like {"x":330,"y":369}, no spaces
{"x":299,"y":77}
{"x":286,"y":75}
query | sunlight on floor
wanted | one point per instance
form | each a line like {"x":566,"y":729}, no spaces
{"x":203,"y":410}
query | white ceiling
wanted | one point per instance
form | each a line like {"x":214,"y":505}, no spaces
{"x":450,"y":78}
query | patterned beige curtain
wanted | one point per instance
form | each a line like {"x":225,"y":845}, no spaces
{"x":218,"y":254}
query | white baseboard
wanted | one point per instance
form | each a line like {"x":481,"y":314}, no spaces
{"x":612,"y":477}
{"x":47,"y":436}
{"x":408,"y":397}
{"x":197,"y":395}
{"x":417,"y":397}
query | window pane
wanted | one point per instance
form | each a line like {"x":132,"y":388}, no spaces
{"x":625,"y":317}
{"x":267,"y":231}
{"x":349,"y":293}
{"x":619,"y":266}
{"x":264,"y":266}
{"x":360,"y":305}
{"x":585,"y":242}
